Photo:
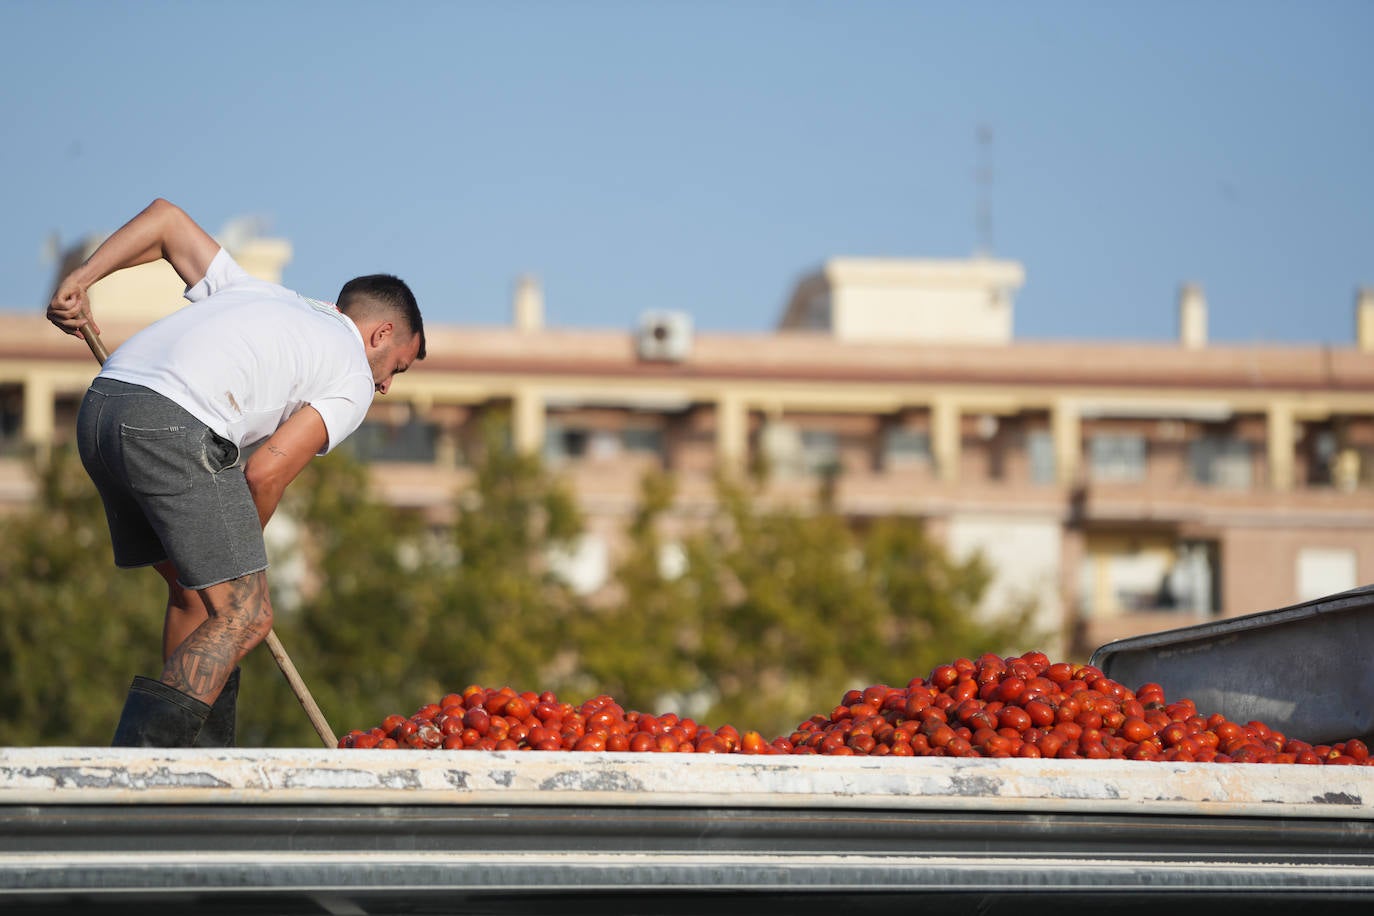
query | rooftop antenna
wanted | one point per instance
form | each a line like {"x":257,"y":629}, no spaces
{"x":983,"y":180}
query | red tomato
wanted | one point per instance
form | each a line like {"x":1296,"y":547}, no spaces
{"x":517,"y":707}
{"x":1010,"y":689}
{"x":591,"y":742}
{"x":1014,"y":717}
{"x":1135,"y":730}
{"x":1050,"y":744}
{"x":1041,"y":714}
{"x":1060,"y":672}
{"x":959,"y":747}
{"x":941,"y":735}
{"x":944,"y":676}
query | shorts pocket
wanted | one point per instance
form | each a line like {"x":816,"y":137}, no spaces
{"x":157,"y":461}
{"x":220,"y":454}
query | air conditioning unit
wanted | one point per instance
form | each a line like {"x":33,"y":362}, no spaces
{"x":665,"y":336}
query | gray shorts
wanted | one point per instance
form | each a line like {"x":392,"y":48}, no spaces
{"x":172,"y":488}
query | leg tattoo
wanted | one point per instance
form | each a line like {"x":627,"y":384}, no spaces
{"x":240,"y":615}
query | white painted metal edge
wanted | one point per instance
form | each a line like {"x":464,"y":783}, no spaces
{"x":504,"y":872}
{"x":309,"y":776}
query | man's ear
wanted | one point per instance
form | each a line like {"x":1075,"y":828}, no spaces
{"x":380,"y":332}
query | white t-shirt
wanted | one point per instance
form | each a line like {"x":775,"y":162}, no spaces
{"x":247,"y":354}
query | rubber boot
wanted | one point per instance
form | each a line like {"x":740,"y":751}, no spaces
{"x":156,"y":715}
{"x":220,"y":726}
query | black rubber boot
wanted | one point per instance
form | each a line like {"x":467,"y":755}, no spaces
{"x":219,"y":727}
{"x":156,"y":715}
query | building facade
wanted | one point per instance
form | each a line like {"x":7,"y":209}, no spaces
{"x":1127,"y":487}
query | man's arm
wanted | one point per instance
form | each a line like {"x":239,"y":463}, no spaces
{"x":162,"y":230}
{"x":284,"y":455}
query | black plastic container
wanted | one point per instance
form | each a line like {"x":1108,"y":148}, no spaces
{"x":1306,"y":670}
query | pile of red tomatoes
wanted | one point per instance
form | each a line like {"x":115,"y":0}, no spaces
{"x":1021,"y":706}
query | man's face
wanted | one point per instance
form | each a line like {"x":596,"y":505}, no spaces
{"x":392,"y":358}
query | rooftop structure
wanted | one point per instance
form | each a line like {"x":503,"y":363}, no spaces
{"x":887,"y":299}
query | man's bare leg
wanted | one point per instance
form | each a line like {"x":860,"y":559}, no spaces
{"x":185,"y":610}
{"x":238,"y":617}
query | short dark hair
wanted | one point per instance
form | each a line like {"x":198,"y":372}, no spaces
{"x":386,"y":294}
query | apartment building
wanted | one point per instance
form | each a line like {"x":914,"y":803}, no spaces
{"x":1127,"y":487}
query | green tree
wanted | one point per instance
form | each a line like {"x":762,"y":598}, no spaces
{"x":798,"y":622}
{"x":934,"y":601}
{"x":782,"y":608}
{"x":73,"y":628}
{"x":644,"y":644}
{"x":507,"y":613}
{"x":382,"y":624}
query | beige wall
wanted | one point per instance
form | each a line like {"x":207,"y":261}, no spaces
{"x":886,"y":299}
{"x":1027,"y":553}
{"x":1260,"y":564}
{"x":875,"y":312}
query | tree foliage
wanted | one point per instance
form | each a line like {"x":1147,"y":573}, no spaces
{"x":766,"y":614}
{"x":781,"y":608}
{"x":643,"y":646}
{"x":507,"y":611}
{"x":73,"y":628}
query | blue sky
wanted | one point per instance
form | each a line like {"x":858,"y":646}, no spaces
{"x":702,"y":156}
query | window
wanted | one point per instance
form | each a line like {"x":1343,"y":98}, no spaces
{"x":603,"y":444}
{"x":820,"y":450}
{"x":642,"y":440}
{"x":11,"y":419}
{"x":905,"y":448}
{"x":1190,"y":586}
{"x":1040,"y":454}
{"x":1217,"y":461}
{"x":414,"y":441}
{"x":1324,"y":571}
{"x":1148,"y":574}
{"x":1322,"y":447}
{"x":1117,"y":457}
{"x":562,"y":443}
{"x":566,"y":443}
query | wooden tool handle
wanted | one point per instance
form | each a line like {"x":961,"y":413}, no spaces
{"x":302,"y":692}
{"x":93,"y":341}
{"x":293,"y":677}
